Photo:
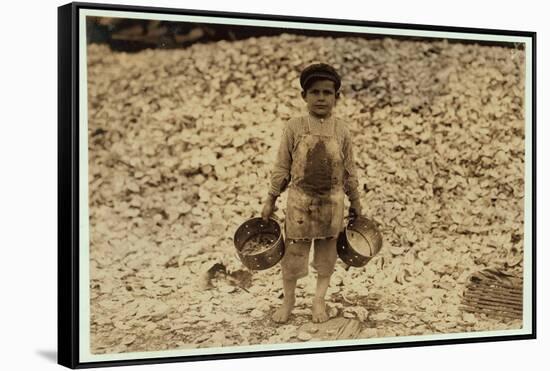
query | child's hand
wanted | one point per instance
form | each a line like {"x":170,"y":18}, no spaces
{"x":355,"y":209}
{"x":269,"y":207}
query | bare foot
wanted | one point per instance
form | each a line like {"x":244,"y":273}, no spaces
{"x":319,"y":311}
{"x":281,"y":315}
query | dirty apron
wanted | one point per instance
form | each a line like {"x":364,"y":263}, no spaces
{"x":315,"y":203}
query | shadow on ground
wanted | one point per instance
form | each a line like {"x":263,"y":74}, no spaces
{"x":50,"y":355}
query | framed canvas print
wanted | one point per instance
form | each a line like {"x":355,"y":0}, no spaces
{"x":244,"y":185}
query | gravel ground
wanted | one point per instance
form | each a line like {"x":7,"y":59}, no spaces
{"x":181,"y":144}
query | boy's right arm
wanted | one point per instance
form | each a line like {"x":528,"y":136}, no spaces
{"x":280,"y":176}
{"x":269,"y":207}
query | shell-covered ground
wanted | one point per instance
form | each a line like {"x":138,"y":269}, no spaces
{"x":181,"y":145}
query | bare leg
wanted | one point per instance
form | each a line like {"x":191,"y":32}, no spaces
{"x":319,"y":311}
{"x":325,"y":258}
{"x":281,"y":315}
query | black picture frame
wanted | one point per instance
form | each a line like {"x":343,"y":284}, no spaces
{"x":69,"y":167}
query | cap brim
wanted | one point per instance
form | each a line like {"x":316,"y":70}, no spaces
{"x":320,"y":75}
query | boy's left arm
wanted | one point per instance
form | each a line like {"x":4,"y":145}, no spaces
{"x":351,"y":182}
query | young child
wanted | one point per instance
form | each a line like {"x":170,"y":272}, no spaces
{"x":315,"y":162}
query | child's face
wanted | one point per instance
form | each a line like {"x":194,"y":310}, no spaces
{"x":320,"y":98}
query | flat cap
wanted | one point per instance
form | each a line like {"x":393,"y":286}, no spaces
{"x":319,"y":71}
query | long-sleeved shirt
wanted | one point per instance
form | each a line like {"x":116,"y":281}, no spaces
{"x":281,"y":174}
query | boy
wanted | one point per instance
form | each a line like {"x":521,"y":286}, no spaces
{"x":315,"y":161}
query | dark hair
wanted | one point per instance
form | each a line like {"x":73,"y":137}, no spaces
{"x":319,"y":71}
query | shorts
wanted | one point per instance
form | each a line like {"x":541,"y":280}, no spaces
{"x":294,"y":263}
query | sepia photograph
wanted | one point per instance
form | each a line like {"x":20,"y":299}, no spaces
{"x":253,"y":185}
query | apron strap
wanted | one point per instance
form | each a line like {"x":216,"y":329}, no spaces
{"x":308,"y":127}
